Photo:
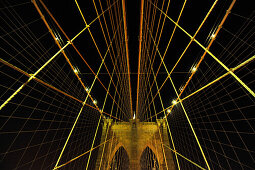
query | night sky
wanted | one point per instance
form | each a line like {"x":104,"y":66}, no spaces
{"x":36,"y":122}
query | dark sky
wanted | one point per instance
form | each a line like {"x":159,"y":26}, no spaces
{"x":68,"y":16}
{"x":222,"y":115}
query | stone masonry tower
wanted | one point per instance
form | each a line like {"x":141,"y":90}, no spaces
{"x":134,"y":136}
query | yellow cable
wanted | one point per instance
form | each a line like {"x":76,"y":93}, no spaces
{"x":200,"y":26}
{"x":33,"y":76}
{"x":47,"y":25}
{"x":60,"y":166}
{"x":99,"y":120}
{"x":184,"y":157}
{"x":98,"y":50}
{"x":127,"y":54}
{"x":207,"y":85}
{"x":139,"y":54}
{"x":117,"y":47}
{"x":108,"y":125}
{"x":68,"y":43}
{"x":162,"y":147}
{"x":213,"y":56}
{"x":161,"y":141}
{"x":224,"y":75}
{"x":177,"y":161}
{"x":191,"y":126}
{"x":83,"y":104}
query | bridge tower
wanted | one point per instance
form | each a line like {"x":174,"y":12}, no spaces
{"x":135,"y":137}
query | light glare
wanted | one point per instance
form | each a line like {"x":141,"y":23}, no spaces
{"x":174,"y":102}
{"x":94,"y":101}
{"x":75,"y":70}
{"x":194,"y":69}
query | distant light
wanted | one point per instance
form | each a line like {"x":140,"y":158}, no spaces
{"x":194,"y":69}
{"x":134,"y":116}
{"x":181,"y":89}
{"x":87,"y":89}
{"x":75,"y":70}
{"x":174,"y":102}
{"x":94,"y":101}
{"x":213,"y":36}
{"x":56,"y":38}
{"x":168,"y":111}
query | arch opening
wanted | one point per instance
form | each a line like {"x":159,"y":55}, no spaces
{"x":148,"y":160}
{"x":120,"y":160}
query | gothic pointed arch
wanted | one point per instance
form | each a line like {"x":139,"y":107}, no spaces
{"x":148,"y":160}
{"x":120,"y":160}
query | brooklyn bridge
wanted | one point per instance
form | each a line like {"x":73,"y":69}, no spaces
{"x":115,"y":84}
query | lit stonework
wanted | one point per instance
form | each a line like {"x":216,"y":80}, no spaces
{"x":135,"y":136}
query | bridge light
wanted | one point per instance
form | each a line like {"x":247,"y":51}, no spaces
{"x":213,"y":36}
{"x":94,"y":101}
{"x":174,"y":102}
{"x":134,"y":116}
{"x":75,"y":70}
{"x":168,"y":111}
{"x":181,"y":89}
{"x":194,"y":69}
{"x":87,"y":89}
